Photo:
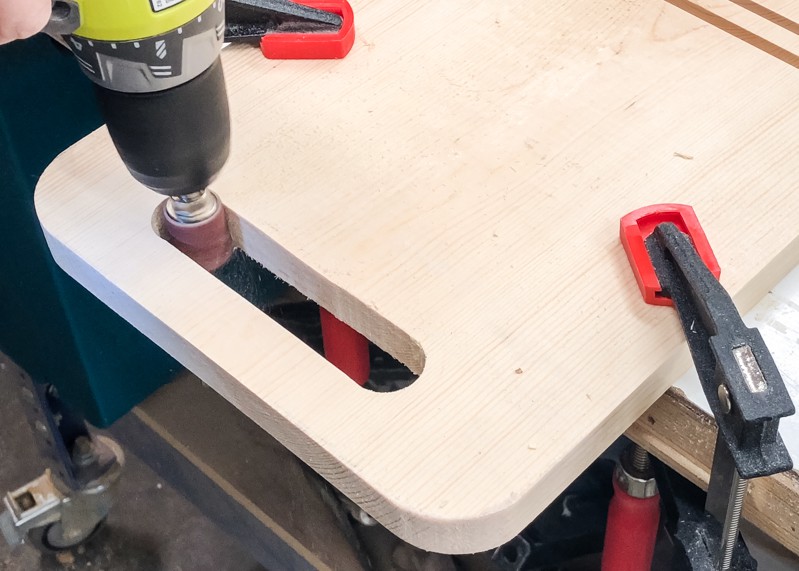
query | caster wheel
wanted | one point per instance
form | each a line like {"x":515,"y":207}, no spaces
{"x":50,"y":538}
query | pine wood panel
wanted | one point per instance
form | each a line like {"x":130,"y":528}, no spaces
{"x":452,"y":189}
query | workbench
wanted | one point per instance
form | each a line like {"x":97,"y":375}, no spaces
{"x":452,"y":190}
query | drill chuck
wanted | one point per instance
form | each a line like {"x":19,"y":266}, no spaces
{"x":175,"y":141}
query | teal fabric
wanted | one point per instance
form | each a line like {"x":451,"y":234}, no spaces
{"x":49,"y":324}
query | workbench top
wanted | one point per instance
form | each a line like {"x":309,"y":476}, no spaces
{"x":452,"y":189}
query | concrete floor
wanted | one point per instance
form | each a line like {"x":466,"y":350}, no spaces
{"x":152,"y":527}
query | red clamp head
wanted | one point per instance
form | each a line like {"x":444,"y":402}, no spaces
{"x":314,"y":45}
{"x":639,"y":224}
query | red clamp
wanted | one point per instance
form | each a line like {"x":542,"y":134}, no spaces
{"x":639,"y":224}
{"x":282,"y":45}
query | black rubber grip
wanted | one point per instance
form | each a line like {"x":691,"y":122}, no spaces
{"x":173,"y":141}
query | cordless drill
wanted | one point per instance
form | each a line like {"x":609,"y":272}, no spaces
{"x":158,"y":78}
{"x":156,"y":68}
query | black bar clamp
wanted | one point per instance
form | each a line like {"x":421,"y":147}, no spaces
{"x":745,"y":390}
{"x":670,"y":257}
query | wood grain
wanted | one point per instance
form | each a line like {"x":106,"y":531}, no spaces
{"x":452,"y":189}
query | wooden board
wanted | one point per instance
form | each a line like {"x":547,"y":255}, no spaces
{"x":452,"y":189}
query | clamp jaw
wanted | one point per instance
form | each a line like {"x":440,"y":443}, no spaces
{"x":674,"y":265}
{"x":306,"y":29}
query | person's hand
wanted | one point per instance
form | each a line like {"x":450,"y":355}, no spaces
{"x":22,"y":18}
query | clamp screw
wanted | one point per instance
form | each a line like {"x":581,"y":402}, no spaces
{"x":729,"y":538}
{"x":634,"y":473}
{"x":640,"y":459}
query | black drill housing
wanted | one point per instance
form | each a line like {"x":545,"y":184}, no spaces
{"x":173,"y":141}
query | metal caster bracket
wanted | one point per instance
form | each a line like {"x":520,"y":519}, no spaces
{"x":65,"y":517}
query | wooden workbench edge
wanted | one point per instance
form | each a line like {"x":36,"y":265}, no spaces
{"x":683,"y":436}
